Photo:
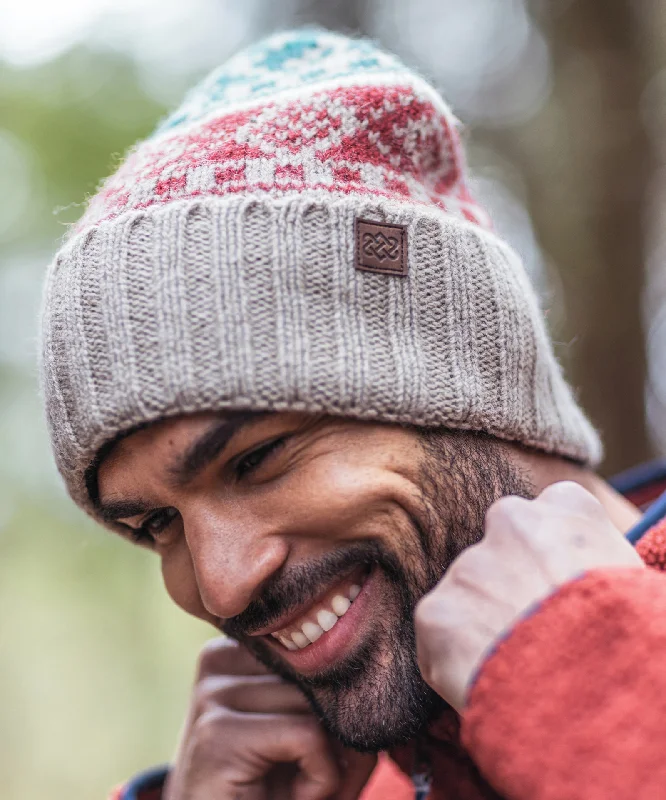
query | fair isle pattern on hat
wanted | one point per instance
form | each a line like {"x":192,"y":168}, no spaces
{"x":284,"y":63}
{"x":298,"y":236}
{"x":311,"y":111}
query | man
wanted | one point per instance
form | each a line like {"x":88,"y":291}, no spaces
{"x":284,"y":350}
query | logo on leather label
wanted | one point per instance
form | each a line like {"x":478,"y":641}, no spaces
{"x":381,"y":247}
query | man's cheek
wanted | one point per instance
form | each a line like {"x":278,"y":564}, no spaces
{"x":331,"y":501}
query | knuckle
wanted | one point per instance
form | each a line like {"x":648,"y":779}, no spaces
{"x":466,"y":566}
{"x":570,"y":491}
{"x":430,"y":658}
{"x":564,"y":488}
{"x":569,"y":496}
{"x":215,"y":654}
{"x":212,"y":691}
{"x":200,"y":699}
{"x":313,"y":734}
{"x":456,"y":571}
{"x":302,"y":731}
{"x":504,"y":510}
{"x":309,"y":725}
{"x":428,"y":605}
{"x":431,"y":612}
{"x":210,"y":729}
{"x":425,"y":668}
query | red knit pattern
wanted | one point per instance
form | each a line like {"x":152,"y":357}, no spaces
{"x":652,"y":547}
{"x":370,"y":140}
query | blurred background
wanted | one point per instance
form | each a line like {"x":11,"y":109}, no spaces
{"x":565,"y":107}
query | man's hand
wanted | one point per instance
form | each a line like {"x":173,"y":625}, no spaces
{"x":530,"y":548}
{"x":251,"y":736}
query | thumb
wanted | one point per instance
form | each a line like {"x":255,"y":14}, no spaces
{"x":355,"y":769}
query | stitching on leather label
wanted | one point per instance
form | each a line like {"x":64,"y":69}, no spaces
{"x":381,"y":247}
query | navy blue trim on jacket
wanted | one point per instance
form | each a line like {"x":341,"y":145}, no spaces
{"x":145,"y":781}
{"x":636,"y":478}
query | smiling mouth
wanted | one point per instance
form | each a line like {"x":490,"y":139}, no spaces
{"x":322,"y":615}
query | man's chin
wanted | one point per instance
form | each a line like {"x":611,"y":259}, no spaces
{"x":371,"y":701}
{"x":371,"y":718}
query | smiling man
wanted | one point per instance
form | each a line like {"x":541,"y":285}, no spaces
{"x":311,"y":539}
{"x":284,"y":350}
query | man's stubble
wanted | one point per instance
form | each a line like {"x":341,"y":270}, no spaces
{"x":376,"y":698}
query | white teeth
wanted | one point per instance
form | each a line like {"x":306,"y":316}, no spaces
{"x":326,"y":619}
{"x":301,"y":639}
{"x":340,"y":605}
{"x":354,"y":591}
{"x":312,"y":630}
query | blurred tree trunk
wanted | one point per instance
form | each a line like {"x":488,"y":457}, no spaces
{"x":587,"y":162}
{"x":603,"y":282}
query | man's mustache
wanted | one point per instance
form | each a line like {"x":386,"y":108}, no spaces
{"x":299,"y":585}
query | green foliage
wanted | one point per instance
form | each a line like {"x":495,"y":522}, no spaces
{"x":95,"y":661}
{"x":76,"y":116}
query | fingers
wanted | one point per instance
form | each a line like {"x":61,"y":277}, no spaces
{"x":564,"y":498}
{"x":251,"y":694}
{"x":531,"y":547}
{"x":223,"y":656}
{"x":255,"y":743}
{"x":250,"y":735}
{"x":564,"y":525}
{"x":355,"y":769}
{"x":571,"y":496}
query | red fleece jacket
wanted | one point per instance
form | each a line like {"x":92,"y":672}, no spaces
{"x":570,"y":705}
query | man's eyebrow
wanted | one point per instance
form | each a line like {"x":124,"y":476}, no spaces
{"x":121,"y":509}
{"x":208,"y":446}
{"x":197,"y":456}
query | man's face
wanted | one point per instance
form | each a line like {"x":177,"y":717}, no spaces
{"x":310,"y":540}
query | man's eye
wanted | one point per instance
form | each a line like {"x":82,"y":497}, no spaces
{"x":254,"y":458}
{"x":154,"y":525}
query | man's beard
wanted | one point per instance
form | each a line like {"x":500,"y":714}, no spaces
{"x":375,"y":698}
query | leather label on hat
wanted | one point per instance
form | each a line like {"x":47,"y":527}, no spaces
{"x":381,"y":247}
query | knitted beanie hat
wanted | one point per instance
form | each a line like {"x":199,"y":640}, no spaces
{"x":298,"y":235}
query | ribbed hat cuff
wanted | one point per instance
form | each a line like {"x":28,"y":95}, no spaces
{"x":255,"y":303}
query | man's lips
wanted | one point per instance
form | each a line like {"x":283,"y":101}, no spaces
{"x":326,"y":601}
{"x":325,"y":647}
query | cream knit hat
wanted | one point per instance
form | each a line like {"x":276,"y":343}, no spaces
{"x":299,"y":235}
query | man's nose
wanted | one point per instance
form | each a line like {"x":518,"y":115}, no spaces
{"x":232,"y":560}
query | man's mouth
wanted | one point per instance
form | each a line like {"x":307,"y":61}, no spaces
{"x":305,"y":637}
{"x":321,"y":616}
